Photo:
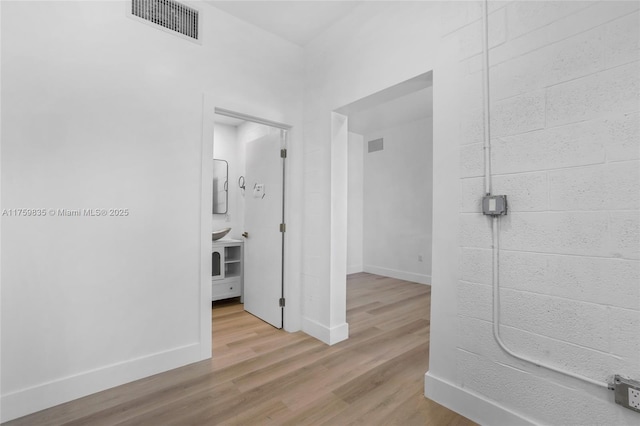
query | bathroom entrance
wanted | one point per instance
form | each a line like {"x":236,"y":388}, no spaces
{"x":249,"y":156}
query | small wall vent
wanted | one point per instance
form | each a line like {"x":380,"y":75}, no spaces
{"x":376,"y":145}
{"x":168,"y":14}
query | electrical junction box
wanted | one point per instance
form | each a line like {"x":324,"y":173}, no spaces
{"x":494,"y":205}
{"x":627,"y":392}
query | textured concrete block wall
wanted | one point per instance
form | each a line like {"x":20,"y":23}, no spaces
{"x":565,"y":88}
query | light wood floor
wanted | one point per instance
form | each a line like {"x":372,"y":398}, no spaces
{"x":263,"y":376}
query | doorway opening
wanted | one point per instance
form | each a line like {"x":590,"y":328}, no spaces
{"x":389,"y":185}
{"x":248,"y":214}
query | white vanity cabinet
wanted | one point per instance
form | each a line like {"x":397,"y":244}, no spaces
{"x":227,"y":269}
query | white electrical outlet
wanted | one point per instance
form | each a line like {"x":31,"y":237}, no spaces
{"x":634,"y":398}
{"x":626,"y":392}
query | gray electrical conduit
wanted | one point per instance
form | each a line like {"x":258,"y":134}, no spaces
{"x":495,"y":221}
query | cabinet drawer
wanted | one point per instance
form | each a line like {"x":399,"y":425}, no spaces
{"x":223,"y":290}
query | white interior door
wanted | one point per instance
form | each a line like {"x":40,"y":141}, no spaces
{"x":263,"y":215}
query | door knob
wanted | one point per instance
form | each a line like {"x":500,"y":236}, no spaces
{"x":245,"y":234}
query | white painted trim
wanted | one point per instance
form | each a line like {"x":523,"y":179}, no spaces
{"x":26,"y":401}
{"x":338,"y":333}
{"x":354,"y":269}
{"x":330,"y":336}
{"x":252,"y":118}
{"x":293,"y":236}
{"x":401,"y":275}
{"x":206,"y":198}
{"x":470,"y":404}
{"x":0,"y":209}
{"x":338,"y":225}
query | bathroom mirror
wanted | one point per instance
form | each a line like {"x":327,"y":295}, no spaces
{"x":220,"y":186}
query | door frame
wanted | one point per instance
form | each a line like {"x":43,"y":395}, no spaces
{"x":339,"y":193}
{"x":209,"y":109}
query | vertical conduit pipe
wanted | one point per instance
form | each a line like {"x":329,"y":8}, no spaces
{"x":495,"y":219}
{"x":485,"y":90}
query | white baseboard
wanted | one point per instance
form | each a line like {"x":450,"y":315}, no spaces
{"x":401,"y":275}
{"x":46,"y":395}
{"x":354,"y":269}
{"x":470,"y":404}
{"x":330,"y":336}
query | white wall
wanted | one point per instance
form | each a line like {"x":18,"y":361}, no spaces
{"x":565,"y":90}
{"x":343,"y":66}
{"x":101,"y":111}
{"x":355,"y":222}
{"x":398,"y":202}
{"x":1,"y":205}
{"x":565,"y":111}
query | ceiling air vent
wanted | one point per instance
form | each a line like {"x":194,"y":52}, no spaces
{"x":168,"y":14}
{"x":376,"y":145}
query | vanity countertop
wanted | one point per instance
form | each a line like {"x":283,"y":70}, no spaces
{"x":227,"y":241}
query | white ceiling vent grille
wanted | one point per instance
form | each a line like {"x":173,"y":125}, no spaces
{"x":168,"y":14}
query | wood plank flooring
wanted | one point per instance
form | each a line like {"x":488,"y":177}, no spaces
{"x":262,"y":376}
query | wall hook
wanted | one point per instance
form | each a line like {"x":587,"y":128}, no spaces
{"x":241,"y":182}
